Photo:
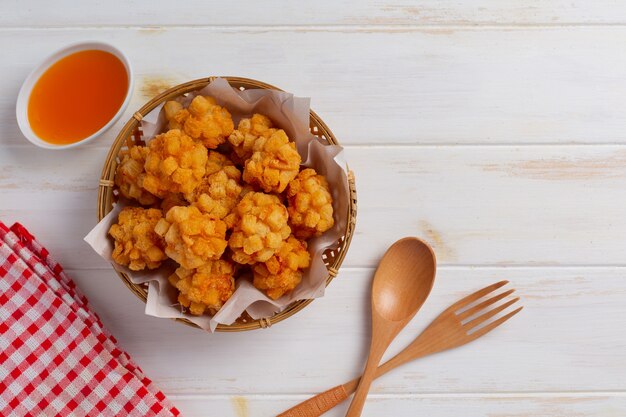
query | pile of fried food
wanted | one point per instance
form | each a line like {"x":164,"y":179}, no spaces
{"x":221,"y":202}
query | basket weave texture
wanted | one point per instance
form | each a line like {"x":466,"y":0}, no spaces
{"x":131,"y":135}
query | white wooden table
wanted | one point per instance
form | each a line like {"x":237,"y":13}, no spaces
{"x":495,"y":129}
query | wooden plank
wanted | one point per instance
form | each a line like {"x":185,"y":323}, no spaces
{"x":273,"y":12}
{"x":565,"y":340}
{"x":504,"y":205}
{"x":381,"y":86}
{"x":585,"y":405}
{"x":477,"y":205}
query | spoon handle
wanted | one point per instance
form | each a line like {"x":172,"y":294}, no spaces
{"x":358,"y":401}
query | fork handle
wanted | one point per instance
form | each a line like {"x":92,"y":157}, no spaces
{"x":318,"y":405}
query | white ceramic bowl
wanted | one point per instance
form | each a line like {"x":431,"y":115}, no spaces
{"x":21,"y":110}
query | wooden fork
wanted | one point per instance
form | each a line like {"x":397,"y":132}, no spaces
{"x":456,"y":326}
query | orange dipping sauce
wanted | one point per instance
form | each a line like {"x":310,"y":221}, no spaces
{"x":77,"y":96}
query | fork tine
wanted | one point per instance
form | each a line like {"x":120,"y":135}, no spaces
{"x":483,"y":331}
{"x":480,"y":307}
{"x":477,"y":295}
{"x":491,"y":313}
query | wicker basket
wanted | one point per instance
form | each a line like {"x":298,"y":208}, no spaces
{"x":131,"y":134}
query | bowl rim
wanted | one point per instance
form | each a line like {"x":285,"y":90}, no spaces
{"x":21,"y":107}
{"x":106,"y":200}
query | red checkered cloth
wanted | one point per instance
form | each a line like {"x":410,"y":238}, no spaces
{"x":56,"y":357}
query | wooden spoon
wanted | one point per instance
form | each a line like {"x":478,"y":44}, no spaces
{"x":402,"y":283}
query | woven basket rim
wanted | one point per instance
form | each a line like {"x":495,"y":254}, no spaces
{"x":106,"y":186}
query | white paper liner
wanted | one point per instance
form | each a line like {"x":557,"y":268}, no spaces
{"x":291,"y":114}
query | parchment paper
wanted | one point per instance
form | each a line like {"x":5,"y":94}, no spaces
{"x":291,"y":114}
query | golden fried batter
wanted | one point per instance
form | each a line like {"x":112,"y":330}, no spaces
{"x":192,"y":238}
{"x":231,"y":218}
{"x":219,"y":190}
{"x":247,"y":133}
{"x":273,"y":164}
{"x":171,"y":108}
{"x":130,"y":173}
{"x":217,"y":162}
{"x":174,"y":164}
{"x":205,"y":288}
{"x":204,"y":120}
{"x":281,"y":273}
{"x":260,"y":228}
{"x":172,"y":200}
{"x":136,"y":244}
{"x":310,"y":205}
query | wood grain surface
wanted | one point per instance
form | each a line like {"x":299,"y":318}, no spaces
{"x":492,"y":129}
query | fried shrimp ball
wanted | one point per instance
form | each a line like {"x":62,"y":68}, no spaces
{"x":204,"y":120}
{"x":310,"y":204}
{"x":281,"y":273}
{"x":174,"y":164}
{"x":219,"y":190}
{"x":129,"y":175}
{"x":273,"y":164}
{"x":191,"y":237}
{"x":247,"y":133}
{"x":205,"y":288}
{"x":136,"y":244}
{"x":260,"y":228}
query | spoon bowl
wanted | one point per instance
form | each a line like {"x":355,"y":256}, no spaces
{"x":402,"y":283}
{"x":396,"y":299}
